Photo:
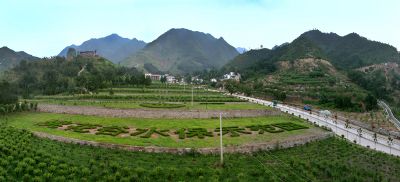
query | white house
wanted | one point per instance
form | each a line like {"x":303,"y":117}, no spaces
{"x":232,"y":76}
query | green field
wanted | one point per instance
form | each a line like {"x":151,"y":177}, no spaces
{"x":30,"y":122}
{"x":133,"y":97}
{"x":27,"y":158}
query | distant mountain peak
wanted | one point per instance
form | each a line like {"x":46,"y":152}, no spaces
{"x":113,"y":36}
{"x":113,"y":47}
{"x":9,"y":58}
{"x":181,"y":51}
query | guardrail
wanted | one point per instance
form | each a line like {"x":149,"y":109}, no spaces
{"x":365,"y":138}
{"x":387,"y":109}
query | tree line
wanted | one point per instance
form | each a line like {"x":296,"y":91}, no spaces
{"x":56,"y":75}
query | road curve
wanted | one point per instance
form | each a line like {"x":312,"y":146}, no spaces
{"x":392,"y":118}
{"x":352,"y":132}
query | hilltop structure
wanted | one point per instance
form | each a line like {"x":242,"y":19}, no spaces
{"x":88,"y":53}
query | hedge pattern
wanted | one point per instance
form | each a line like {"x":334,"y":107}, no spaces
{"x":162,"y":105}
{"x":201,"y":133}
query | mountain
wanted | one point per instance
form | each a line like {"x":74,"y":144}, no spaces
{"x":241,"y":50}
{"x":323,"y":69}
{"x":344,"y":52}
{"x":10,"y":58}
{"x":112,"y":47}
{"x":352,"y":50}
{"x":181,"y":51}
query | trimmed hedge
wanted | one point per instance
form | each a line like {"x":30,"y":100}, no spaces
{"x":82,"y":128}
{"x":112,"y":130}
{"x":212,"y":103}
{"x":201,"y":133}
{"x":162,"y":105}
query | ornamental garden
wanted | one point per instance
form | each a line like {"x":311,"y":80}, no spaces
{"x":26,"y":157}
{"x":188,"y":132}
{"x":123,"y":131}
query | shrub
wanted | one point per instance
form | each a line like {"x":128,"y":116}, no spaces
{"x":112,"y":130}
{"x":162,"y":105}
{"x":82,"y":128}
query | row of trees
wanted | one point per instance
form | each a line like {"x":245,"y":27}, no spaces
{"x":17,"y":107}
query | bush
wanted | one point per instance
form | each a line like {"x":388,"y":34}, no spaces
{"x":112,"y":130}
{"x":162,"y":105}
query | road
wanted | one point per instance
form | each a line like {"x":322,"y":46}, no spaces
{"x":356,"y":134}
{"x":390,"y":114}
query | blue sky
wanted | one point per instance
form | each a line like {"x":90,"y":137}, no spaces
{"x":45,"y":27}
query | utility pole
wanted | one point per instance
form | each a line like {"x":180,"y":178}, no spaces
{"x":192,"y":95}
{"x":220,"y":137}
{"x":206,"y":97}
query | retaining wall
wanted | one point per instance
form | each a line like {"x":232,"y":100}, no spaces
{"x":248,"y":148}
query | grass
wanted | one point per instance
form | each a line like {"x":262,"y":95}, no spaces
{"x":29,"y":121}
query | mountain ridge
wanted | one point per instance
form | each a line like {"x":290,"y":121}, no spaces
{"x":112,"y":47}
{"x":10,"y":58}
{"x":181,"y":51}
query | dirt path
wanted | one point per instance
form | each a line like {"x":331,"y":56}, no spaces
{"x":152,"y":113}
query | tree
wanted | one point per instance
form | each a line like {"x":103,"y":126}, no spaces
{"x":147,"y":81}
{"x":343,"y":102}
{"x":163,"y":79}
{"x":347,"y":126}
{"x":7,"y":95}
{"x":230,"y":86}
{"x":370,"y":102}
{"x":280,"y":96}
{"x":71,"y":53}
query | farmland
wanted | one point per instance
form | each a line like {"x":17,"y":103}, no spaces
{"x":134,"y":98}
{"x":24,"y":157}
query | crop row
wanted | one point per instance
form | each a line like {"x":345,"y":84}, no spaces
{"x":27,"y":158}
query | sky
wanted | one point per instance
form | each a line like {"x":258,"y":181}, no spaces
{"x":44,"y":27}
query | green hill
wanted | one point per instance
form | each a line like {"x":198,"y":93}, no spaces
{"x":319,"y":68}
{"x":10,"y":58}
{"x":347,"y":52}
{"x":182,"y":51}
{"x":352,"y":51}
{"x":58,"y":75}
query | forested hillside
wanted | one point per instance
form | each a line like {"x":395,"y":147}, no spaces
{"x":181,"y":51}
{"x":321,"y":68}
{"x":79,"y":75}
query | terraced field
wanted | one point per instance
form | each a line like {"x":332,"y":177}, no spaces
{"x":133,"y":98}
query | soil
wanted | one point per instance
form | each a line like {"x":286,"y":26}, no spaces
{"x":153,"y":113}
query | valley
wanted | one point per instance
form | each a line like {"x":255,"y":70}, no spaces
{"x":199,"y":91}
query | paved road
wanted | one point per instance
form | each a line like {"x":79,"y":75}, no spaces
{"x":351,"y":132}
{"x":390,"y":114}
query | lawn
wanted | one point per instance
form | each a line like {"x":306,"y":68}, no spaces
{"x":30,"y":122}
